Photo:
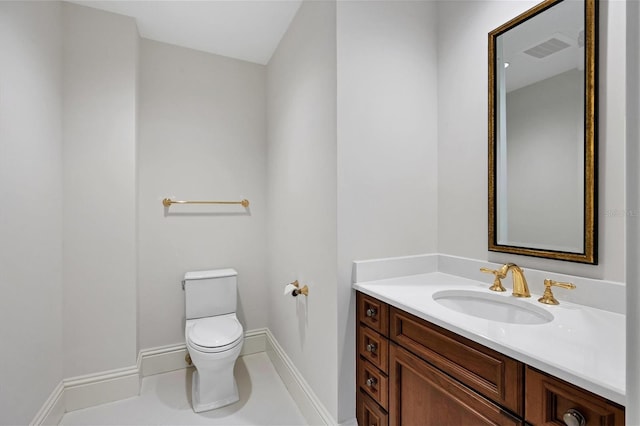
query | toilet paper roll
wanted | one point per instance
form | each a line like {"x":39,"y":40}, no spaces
{"x":288,"y":289}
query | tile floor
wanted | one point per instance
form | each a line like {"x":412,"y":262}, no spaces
{"x":165,"y":399}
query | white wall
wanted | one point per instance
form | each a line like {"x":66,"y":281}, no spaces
{"x":31,"y":212}
{"x":202,"y":137}
{"x":99,"y":181}
{"x":387,"y":148}
{"x":301,"y":179}
{"x":633,"y":211}
{"x":462,"y":124}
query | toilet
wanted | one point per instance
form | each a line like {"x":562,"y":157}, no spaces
{"x":213,"y":336}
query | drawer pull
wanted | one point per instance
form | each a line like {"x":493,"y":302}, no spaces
{"x":371,"y":347}
{"x":573,"y":417}
{"x":371,"y":381}
{"x":371,"y":312}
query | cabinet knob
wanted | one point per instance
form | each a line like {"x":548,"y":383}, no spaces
{"x":371,"y":312}
{"x":573,"y":417}
{"x":371,"y":381}
{"x":371,"y":347}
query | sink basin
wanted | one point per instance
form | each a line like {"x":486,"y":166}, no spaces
{"x":492,"y":307}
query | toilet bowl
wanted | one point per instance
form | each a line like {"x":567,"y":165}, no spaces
{"x":213,"y":337}
{"x":214,"y":344}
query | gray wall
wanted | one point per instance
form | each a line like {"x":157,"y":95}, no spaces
{"x":387,"y":148}
{"x":100,"y":52}
{"x":633,"y":211}
{"x":31,"y":212}
{"x":301,"y":191}
{"x":462,"y":136}
{"x":202,"y":137}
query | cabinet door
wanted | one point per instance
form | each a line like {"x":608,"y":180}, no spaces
{"x":549,"y":398}
{"x":488,"y":372}
{"x":368,"y":413}
{"x":420,"y":394}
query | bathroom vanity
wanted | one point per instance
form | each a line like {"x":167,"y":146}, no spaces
{"x":421,"y":367}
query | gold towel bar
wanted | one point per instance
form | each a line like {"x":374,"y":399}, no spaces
{"x":168,"y":201}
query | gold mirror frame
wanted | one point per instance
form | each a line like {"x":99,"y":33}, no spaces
{"x":589,"y":255}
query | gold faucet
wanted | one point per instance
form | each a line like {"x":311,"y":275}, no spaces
{"x":547,"y":297}
{"x":520,"y":287}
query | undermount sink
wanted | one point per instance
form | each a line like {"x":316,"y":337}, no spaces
{"x":492,"y":307}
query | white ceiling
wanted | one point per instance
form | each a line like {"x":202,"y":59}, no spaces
{"x":243,"y":29}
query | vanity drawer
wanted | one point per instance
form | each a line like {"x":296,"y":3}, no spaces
{"x":549,"y":398}
{"x":373,"y":313}
{"x":373,"y":382}
{"x":368,"y":413}
{"x":490,"y":373}
{"x":373,"y":347}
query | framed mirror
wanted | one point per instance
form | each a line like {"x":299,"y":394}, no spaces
{"x":542,"y":132}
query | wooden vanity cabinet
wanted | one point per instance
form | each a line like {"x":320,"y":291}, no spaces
{"x":411,"y":372}
{"x":549,"y":398}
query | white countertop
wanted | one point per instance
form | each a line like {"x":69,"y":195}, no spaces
{"x":582,"y":345}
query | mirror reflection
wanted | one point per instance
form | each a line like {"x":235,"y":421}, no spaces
{"x":542,"y":132}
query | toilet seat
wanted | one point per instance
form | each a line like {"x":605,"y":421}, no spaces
{"x":215,"y":334}
{"x":218,"y":349}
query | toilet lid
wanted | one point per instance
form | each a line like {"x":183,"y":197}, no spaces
{"x":215,"y":331}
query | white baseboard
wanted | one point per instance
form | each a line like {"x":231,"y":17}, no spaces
{"x":169,"y":358}
{"x":87,"y":391}
{"x":53,"y":409}
{"x":255,"y":341}
{"x":162,"y":359}
{"x":96,"y":389}
{"x":309,"y":404}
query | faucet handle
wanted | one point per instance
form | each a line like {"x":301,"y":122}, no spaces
{"x":498,"y":274}
{"x":547,"y":297}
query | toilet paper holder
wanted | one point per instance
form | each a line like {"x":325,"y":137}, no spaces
{"x":297,"y":291}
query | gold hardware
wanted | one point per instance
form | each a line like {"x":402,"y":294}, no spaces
{"x":304,"y":290}
{"x":547,"y":297}
{"x":497,"y":284}
{"x":168,"y":201}
{"x":187,"y":359}
{"x":520,"y":287}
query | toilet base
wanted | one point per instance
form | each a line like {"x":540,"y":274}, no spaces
{"x":220,"y":399}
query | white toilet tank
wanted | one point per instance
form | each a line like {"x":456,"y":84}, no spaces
{"x":210,"y":293}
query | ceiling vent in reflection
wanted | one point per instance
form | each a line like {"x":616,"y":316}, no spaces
{"x":547,"y":48}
